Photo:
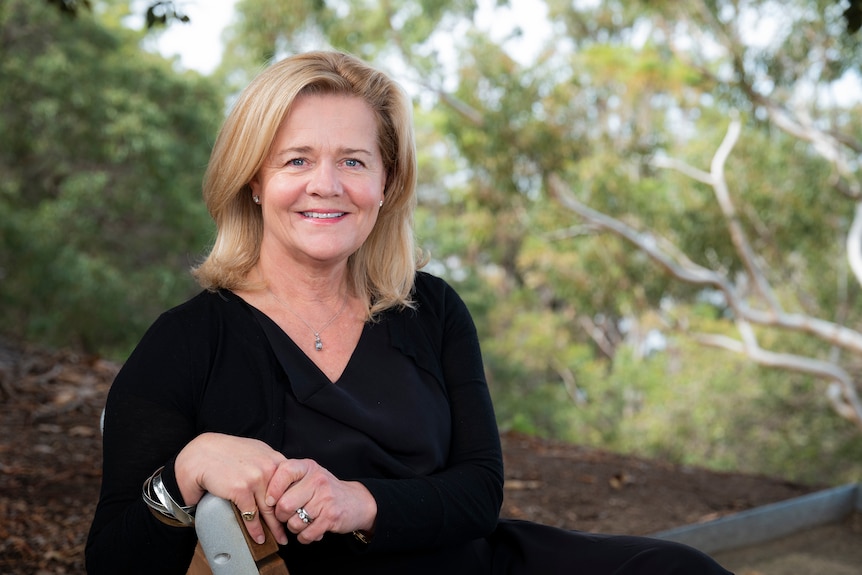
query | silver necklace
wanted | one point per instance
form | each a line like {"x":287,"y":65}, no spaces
{"x":318,"y":344}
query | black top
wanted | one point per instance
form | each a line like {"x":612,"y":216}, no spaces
{"x":410,"y":418}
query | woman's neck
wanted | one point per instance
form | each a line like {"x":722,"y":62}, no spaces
{"x":303,"y":285}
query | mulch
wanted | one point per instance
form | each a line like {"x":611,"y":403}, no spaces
{"x":50,"y":458}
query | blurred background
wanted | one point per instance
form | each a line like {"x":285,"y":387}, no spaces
{"x":651,"y":207}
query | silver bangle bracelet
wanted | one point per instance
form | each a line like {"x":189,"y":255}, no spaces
{"x":164,"y":506}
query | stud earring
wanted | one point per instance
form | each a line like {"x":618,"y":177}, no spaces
{"x":380,"y":204}
{"x":256,"y":199}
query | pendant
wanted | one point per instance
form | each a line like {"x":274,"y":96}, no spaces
{"x":318,"y":345}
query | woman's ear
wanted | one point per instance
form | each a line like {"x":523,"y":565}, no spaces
{"x":255,"y":187}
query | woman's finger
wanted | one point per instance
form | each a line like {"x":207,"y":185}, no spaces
{"x":267,"y":514}
{"x":286,"y":474}
{"x":248,"y":511}
{"x":303,"y":524}
{"x":255,"y":514}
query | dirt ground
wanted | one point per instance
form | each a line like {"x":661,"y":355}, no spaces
{"x":50,"y":455}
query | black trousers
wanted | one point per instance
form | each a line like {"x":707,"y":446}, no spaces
{"x":514,"y":548}
{"x":525,"y":548}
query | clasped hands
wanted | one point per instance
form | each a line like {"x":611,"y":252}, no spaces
{"x":265,"y":485}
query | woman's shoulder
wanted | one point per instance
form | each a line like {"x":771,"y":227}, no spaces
{"x":434,"y":294}
{"x":439,"y":318}
{"x":199,"y":322}
{"x":204,"y":310}
{"x":428,"y":285}
{"x":203,"y":300}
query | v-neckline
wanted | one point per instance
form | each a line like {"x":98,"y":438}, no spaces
{"x":274,"y":331}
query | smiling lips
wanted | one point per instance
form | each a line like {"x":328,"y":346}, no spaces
{"x":323,"y":215}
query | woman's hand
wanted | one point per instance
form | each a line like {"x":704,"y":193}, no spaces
{"x":235,"y":468}
{"x":328,"y":503}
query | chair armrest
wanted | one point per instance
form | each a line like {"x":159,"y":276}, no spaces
{"x":227,"y":545}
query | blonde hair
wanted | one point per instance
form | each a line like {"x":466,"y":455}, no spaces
{"x":382,"y":271}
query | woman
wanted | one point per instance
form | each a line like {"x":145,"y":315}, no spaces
{"x":320,"y":382}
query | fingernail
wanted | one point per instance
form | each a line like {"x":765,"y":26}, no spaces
{"x":270,"y":501}
{"x":260,"y":539}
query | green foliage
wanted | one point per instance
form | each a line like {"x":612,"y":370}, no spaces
{"x":683,"y":403}
{"x":703,"y":407}
{"x":563,"y":311}
{"x":99,"y":211}
{"x":103,"y":148}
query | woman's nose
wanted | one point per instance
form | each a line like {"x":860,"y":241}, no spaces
{"x":324,"y":180}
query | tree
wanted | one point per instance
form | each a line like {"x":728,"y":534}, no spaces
{"x":619,"y":92}
{"x":547,"y":199}
{"x":103,"y":148}
{"x":765,"y":82}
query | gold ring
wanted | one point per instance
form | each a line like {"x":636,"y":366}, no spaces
{"x":249,"y":515}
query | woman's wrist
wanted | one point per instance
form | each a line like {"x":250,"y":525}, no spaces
{"x":367,"y":516}
{"x":182,"y":472}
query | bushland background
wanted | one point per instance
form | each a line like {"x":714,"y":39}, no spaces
{"x":652,"y":211}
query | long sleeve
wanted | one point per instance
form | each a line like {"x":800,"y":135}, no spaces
{"x":462,"y":501}
{"x":200,"y":367}
{"x":145,"y":427}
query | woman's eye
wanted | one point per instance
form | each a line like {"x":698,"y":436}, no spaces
{"x":352,"y":163}
{"x":296,"y":162}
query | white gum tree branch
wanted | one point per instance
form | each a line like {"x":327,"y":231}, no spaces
{"x":840,"y":150}
{"x":678,"y":265}
{"x":716,"y":179}
{"x":827,"y":145}
{"x":597,"y":335}
{"x":842,"y":391}
{"x":854,"y":243}
{"x":570,"y":384}
{"x":832,"y":149}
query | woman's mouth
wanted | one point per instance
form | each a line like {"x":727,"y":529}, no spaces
{"x":323,"y":215}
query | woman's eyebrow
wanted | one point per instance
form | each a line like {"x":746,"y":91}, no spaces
{"x":302,"y":150}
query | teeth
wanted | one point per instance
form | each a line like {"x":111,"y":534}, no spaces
{"x":321,"y":216}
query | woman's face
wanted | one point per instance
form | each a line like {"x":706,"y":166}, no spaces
{"x":321,"y":185}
